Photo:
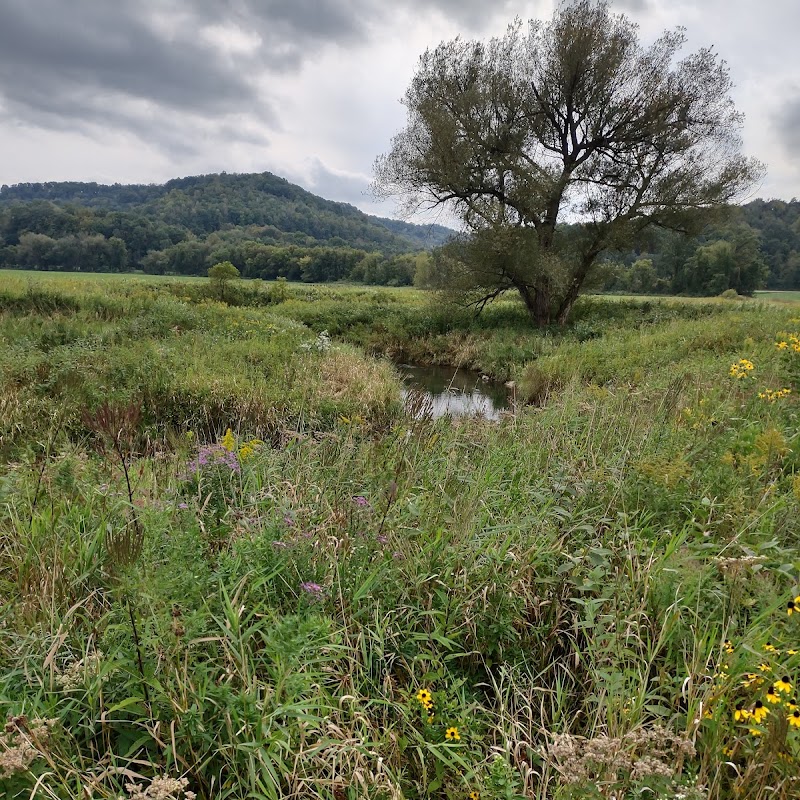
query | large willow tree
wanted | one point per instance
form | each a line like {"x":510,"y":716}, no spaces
{"x":572,"y":120}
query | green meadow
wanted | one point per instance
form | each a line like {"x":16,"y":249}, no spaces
{"x":779,"y":297}
{"x":235,"y":563}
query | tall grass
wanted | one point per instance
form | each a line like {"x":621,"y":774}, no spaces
{"x":586,"y":591}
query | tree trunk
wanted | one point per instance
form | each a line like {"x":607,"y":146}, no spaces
{"x":566,"y":306}
{"x":537,"y":302}
{"x":571,"y":295}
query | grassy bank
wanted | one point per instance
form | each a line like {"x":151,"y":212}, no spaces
{"x":336,"y":600}
{"x":68,"y":346}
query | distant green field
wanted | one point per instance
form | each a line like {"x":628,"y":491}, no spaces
{"x":779,"y":297}
{"x":96,"y":277}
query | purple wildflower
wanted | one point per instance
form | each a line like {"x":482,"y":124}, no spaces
{"x":214,"y":455}
{"x":288,"y":520}
{"x":383,"y":539}
{"x":313,"y":589}
{"x":361,"y":501}
{"x":183,"y":506}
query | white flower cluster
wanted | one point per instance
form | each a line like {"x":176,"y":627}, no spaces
{"x":321,"y":344}
{"x":78,"y":673}
{"x":160,"y":789}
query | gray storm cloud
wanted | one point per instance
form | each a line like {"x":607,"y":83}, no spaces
{"x":787,"y":125}
{"x":236,"y":82}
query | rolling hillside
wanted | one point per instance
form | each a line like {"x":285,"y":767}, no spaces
{"x":209,"y":203}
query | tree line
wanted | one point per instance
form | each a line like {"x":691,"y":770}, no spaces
{"x":758,"y":247}
{"x":90,"y":227}
{"x":43,"y":235}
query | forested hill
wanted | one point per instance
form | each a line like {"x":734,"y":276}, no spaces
{"x":264,"y":225}
{"x":207,"y":203}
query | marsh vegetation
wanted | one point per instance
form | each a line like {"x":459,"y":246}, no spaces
{"x":232,"y":564}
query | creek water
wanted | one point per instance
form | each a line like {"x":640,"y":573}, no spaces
{"x":457,"y":392}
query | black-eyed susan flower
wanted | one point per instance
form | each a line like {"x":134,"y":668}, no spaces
{"x":770,"y":648}
{"x":754,"y":732}
{"x":751,"y":678}
{"x":727,"y":646}
{"x":791,"y":652}
{"x":791,"y":704}
{"x":474,"y":796}
{"x":794,"y":718}
{"x":772,"y":694}
{"x":759,"y":712}
{"x":784,"y":685}
{"x":425,"y":698}
{"x":452,"y":734}
{"x":741,"y":714}
{"x":741,"y":368}
{"x":792,"y":608}
{"x":765,"y":667}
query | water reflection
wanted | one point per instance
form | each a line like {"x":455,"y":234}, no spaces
{"x":457,"y":392}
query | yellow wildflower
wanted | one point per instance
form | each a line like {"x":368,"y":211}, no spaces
{"x":772,"y":694}
{"x":425,"y":697}
{"x":759,"y":712}
{"x":741,"y":368}
{"x":794,"y":718}
{"x":771,"y":396}
{"x":754,"y":732}
{"x":783,"y":685}
{"x":765,"y":667}
{"x":474,"y":796}
{"x":229,"y":441}
{"x":452,"y":734}
{"x":741,"y":714}
{"x":727,"y":646}
{"x":770,"y":648}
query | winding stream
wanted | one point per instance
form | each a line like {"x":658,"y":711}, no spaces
{"x":457,"y":392}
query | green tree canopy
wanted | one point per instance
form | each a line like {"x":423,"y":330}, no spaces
{"x":572,"y":120}
{"x":221,"y":275}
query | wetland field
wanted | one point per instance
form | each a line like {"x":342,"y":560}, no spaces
{"x":239,"y":558}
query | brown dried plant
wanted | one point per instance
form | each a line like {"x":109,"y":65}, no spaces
{"x":117,"y":427}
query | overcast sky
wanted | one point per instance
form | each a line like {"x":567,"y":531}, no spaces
{"x":140,"y":91}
